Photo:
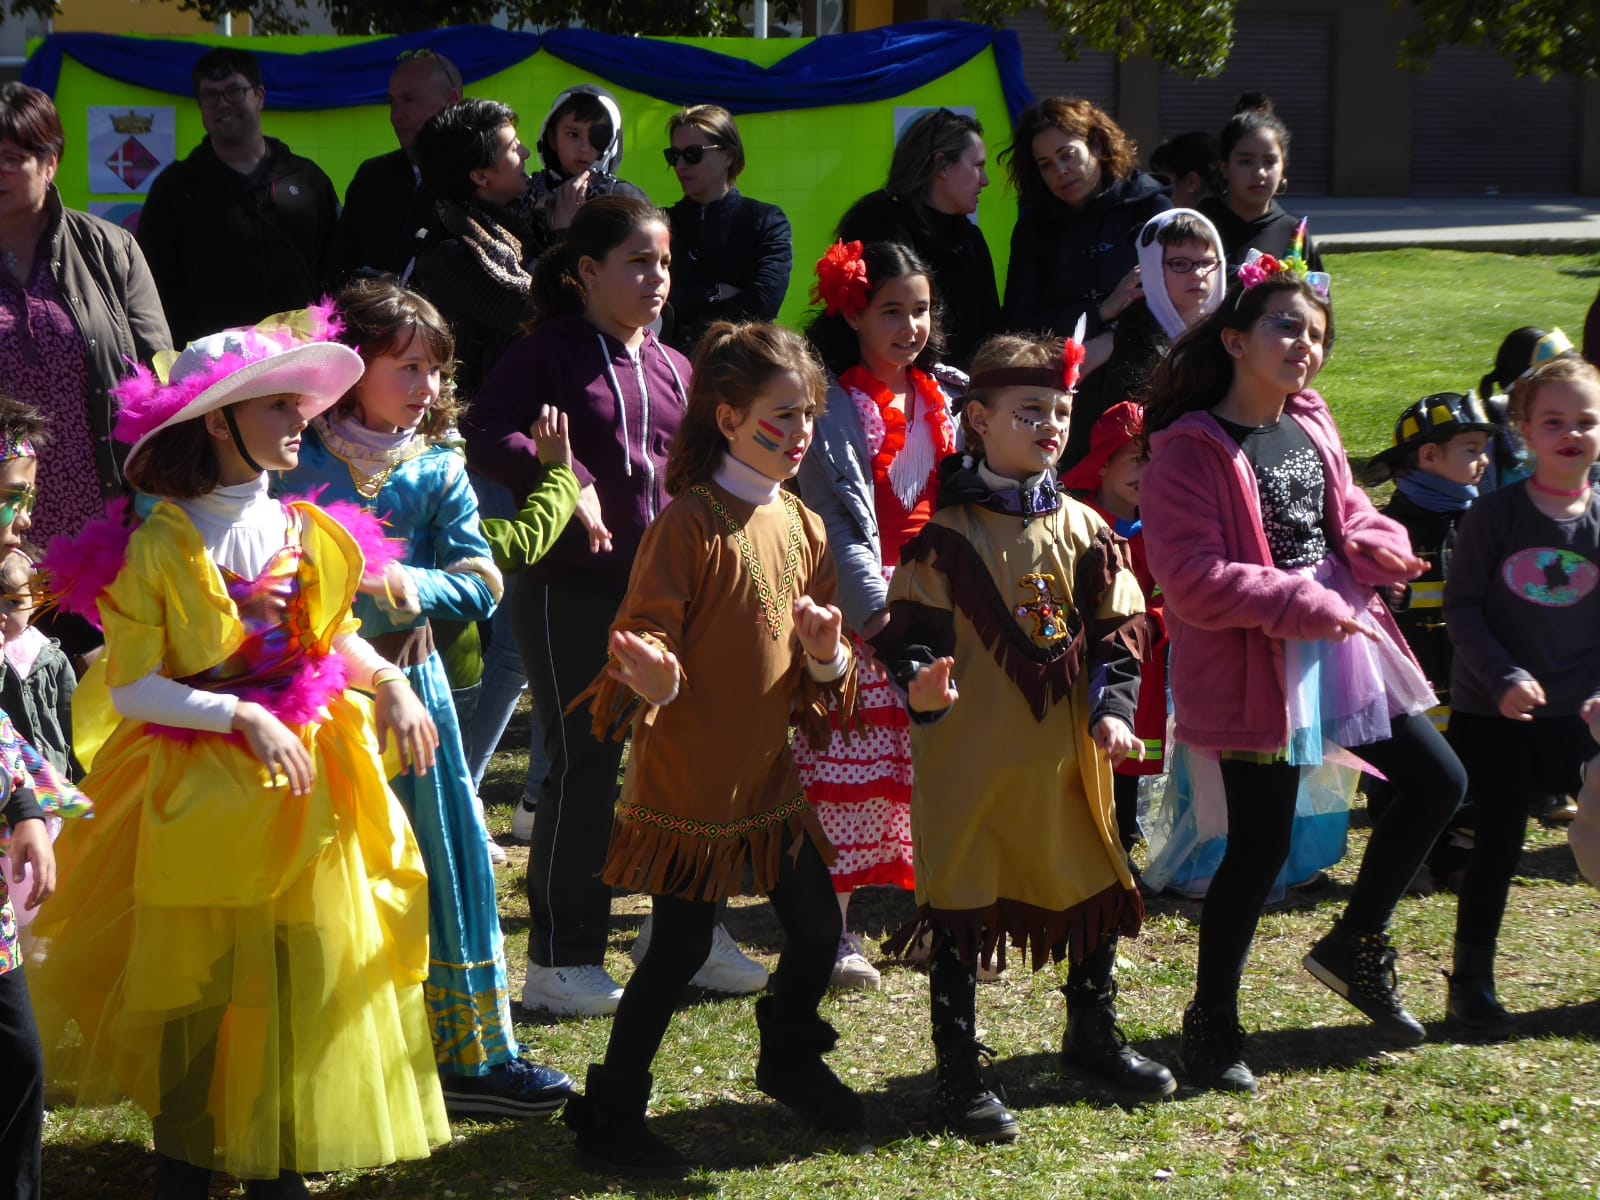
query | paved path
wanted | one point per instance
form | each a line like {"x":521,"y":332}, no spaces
{"x":1507,"y":223}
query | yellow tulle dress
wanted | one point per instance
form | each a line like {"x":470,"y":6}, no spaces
{"x":244,"y":963}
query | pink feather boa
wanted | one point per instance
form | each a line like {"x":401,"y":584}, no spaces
{"x":364,"y":526}
{"x":144,"y":403}
{"x":79,"y":569}
{"x":317,"y":681}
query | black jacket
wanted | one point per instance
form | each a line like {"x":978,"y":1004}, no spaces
{"x":107,"y":288}
{"x":1420,"y":612}
{"x":1064,"y":262}
{"x":384,"y":207}
{"x":954,"y":248}
{"x":1138,"y":344}
{"x":737,"y":241}
{"x":228,"y":249}
{"x":1270,"y":234}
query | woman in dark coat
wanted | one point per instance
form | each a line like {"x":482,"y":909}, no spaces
{"x":934,"y":181}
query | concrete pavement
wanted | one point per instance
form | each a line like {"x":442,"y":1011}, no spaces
{"x":1512,"y":224}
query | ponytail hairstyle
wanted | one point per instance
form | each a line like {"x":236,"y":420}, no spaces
{"x":839,"y":346}
{"x":1199,"y":370}
{"x":1568,"y":369}
{"x":733,"y":365}
{"x":1253,"y":113}
{"x":1002,"y":352}
{"x":600,"y":226}
{"x":383,"y":318}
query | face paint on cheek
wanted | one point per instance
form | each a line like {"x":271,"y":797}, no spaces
{"x":768,"y":437}
{"x":1018,"y":420}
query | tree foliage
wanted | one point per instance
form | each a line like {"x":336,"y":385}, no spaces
{"x":1538,"y":37}
{"x":661,"y":18}
{"x":1192,"y":36}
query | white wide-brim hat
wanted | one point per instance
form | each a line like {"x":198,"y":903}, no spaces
{"x":286,"y":354}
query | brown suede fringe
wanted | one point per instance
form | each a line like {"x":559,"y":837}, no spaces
{"x":1043,"y":674}
{"x":648,"y":858}
{"x":1041,"y":934}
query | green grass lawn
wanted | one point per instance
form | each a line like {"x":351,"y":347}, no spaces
{"x":1413,"y":322}
{"x":1338,"y":1116}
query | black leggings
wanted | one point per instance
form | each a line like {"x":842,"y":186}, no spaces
{"x":1261,"y":796}
{"x":680,"y":939}
{"x":1514,"y":765}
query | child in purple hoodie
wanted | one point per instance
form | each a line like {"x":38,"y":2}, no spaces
{"x":591,"y":354}
{"x":1269,"y":555}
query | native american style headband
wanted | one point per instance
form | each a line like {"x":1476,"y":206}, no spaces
{"x":1258,"y":267}
{"x":842,"y":286}
{"x":1057,"y":377}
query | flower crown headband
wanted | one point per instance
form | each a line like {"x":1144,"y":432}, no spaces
{"x":842,"y":286}
{"x":1062,"y":377}
{"x":1258,"y":267}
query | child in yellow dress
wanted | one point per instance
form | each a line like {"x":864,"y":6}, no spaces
{"x":241,"y":934}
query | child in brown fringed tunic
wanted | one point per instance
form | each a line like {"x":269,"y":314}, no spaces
{"x":727,"y":626}
{"x":1019,"y":601}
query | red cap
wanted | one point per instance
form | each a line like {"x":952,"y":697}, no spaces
{"x":1117,"y":426}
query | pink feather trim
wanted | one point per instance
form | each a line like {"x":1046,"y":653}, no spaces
{"x":317,"y":681}
{"x":144,"y":403}
{"x":364,"y":527}
{"x":79,"y":569}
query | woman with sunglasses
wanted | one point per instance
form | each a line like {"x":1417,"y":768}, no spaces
{"x":731,"y":255}
{"x":935,"y":178}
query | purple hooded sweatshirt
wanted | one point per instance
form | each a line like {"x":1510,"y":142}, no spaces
{"x":623,"y":411}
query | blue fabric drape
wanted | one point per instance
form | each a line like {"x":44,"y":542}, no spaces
{"x":850,"y":68}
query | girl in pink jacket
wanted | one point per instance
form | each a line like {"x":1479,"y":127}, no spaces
{"x":1268,"y":555}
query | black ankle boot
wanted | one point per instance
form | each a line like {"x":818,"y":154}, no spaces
{"x":1093,"y":1045}
{"x":966,"y":1105}
{"x":1472,"y":1003}
{"x":1213,"y":1050}
{"x":613,"y":1137}
{"x":287,"y":1186}
{"x":180,"y":1180}
{"x":790,"y":1070}
{"x":1360,"y":967}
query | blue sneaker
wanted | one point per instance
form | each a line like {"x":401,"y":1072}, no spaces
{"x":513,"y":1089}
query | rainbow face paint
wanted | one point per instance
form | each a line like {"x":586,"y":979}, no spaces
{"x":768,"y":436}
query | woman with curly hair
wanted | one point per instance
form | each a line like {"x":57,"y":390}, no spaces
{"x":1082,"y":200}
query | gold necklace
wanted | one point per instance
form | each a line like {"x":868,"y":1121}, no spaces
{"x":772,"y":607}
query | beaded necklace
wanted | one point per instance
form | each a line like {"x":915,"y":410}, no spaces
{"x":772,"y":607}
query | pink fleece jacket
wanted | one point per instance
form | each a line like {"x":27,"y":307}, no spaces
{"x":1227,"y":607}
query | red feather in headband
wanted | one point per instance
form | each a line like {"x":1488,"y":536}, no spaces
{"x":842,"y":285}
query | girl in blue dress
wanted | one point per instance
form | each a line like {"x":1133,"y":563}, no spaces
{"x":389,"y":446}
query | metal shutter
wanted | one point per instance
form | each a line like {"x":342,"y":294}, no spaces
{"x":1092,"y":75}
{"x":1476,"y":127}
{"x":1287,"y":55}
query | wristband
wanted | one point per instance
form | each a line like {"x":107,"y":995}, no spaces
{"x":385,"y":675}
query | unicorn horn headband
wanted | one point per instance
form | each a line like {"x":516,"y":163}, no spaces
{"x":1258,"y":267}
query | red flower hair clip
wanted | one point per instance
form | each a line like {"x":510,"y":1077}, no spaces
{"x":842,"y":285}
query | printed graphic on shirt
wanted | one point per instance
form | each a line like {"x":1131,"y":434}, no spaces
{"x":1291,"y":508}
{"x":1550,"y":577}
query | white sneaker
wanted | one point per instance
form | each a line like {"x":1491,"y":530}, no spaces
{"x":585,"y":991}
{"x":522,"y":820}
{"x":727,"y":969}
{"x":497,"y":852}
{"x":851,"y":969}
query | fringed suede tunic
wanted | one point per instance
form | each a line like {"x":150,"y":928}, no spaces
{"x":1013,"y":823}
{"x":710,"y":783}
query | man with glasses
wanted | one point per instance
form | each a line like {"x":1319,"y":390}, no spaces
{"x":389,"y":213}
{"x":241,"y":228}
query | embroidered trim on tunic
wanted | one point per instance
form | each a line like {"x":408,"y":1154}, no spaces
{"x":711,"y":830}
{"x":772,"y":608}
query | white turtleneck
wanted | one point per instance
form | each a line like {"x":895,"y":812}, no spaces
{"x":751,"y":486}
{"x":242,"y":526}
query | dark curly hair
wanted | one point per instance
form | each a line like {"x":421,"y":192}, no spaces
{"x":458,"y":140}
{"x":1116,"y":152}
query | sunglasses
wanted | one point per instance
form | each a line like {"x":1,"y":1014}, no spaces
{"x":690,"y":154}
{"x":230,"y":96}
{"x":16,"y":501}
{"x":451,"y":75}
